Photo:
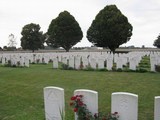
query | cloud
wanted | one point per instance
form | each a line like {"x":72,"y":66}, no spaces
{"x":143,"y":15}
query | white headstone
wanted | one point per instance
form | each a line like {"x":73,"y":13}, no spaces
{"x":13,"y":61}
{"x":77,"y":62}
{"x":157,"y":108}
{"x":132,"y":63}
{"x":93,"y":63}
{"x":46,"y":60}
{"x":55,"y":63}
{"x":54,"y":103}
{"x":126,"y":104}
{"x":85,"y":62}
{"x":119,"y":62}
{"x":100,"y":63}
{"x":21,"y":61}
{"x":3,"y":60}
{"x":64,"y":60}
{"x":26,"y":62}
{"x":153,"y":62}
{"x":71,"y":61}
{"x":109,"y":63}
{"x":90,"y":98}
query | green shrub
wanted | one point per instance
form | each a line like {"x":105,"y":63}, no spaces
{"x":113,"y":68}
{"x":66,"y":67}
{"x":119,"y":70}
{"x":89,"y":68}
{"x":103,"y":69}
{"x":157,"y":68}
{"x":141,"y":70}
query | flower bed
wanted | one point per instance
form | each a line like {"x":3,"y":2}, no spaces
{"x":80,"y":108}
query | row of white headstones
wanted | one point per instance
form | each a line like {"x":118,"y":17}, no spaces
{"x":77,"y":60}
{"x":126,"y":104}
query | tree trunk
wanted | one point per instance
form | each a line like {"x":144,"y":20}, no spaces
{"x":67,"y":50}
{"x":113,"y":50}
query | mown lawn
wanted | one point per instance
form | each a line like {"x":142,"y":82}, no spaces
{"x":21,"y":89}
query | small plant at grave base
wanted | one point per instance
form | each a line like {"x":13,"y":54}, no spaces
{"x":89,"y":68}
{"x":119,"y":70}
{"x":18,"y":63}
{"x":66,"y":67}
{"x":81,"y":66}
{"x":38,"y":60}
{"x":102,"y":69}
{"x":84,"y":114}
{"x":157,"y":68}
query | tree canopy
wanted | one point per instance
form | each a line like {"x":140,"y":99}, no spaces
{"x":157,"y":42}
{"x":64,"y":31}
{"x":110,"y":28}
{"x":32,"y":38}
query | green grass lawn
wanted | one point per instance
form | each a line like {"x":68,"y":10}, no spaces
{"x":21,"y":89}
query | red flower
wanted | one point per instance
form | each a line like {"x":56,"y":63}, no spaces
{"x":96,"y":115}
{"x":73,"y":98}
{"x":71,"y":103}
{"x":78,"y":98}
{"x":81,"y":96}
{"x":75,"y":109}
{"x":80,"y":103}
{"x":115,"y":112}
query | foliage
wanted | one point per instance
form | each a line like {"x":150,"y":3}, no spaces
{"x":89,"y":68}
{"x":102,"y":69}
{"x":84,"y":114}
{"x":5,"y":47}
{"x":119,"y":70}
{"x":64,"y":31}
{"x":141,"y":70}
{"x":157,"y":42}
{"x":110,"y":28}
{"x":66,"y":67}
{"x":32,"y":38}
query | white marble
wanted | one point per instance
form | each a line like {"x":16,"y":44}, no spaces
{"x":26,"y":62}
{"x":71,"y":61}
{"x":85,"y":62}
{"x":100,"y":63}
{"x":132,"y":63}
{"x":77,"y":62}
{"x":54,"y":103}
{"x":109,"y":63}
{"x":119,"y":63}
{"x":55,"y":62}
{"x":157,"y":108}
{"x":153,"y":62}
{"x":126,"y":104}
{"x":90,"y":98}
{"x":3,"y":60}
{"x":93,"y":63}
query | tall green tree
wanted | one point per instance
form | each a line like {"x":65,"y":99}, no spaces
{"x":110,"y":28}
{"x":64,"y":31}
{"x":157,"y":42}
{"x":32,"y":37}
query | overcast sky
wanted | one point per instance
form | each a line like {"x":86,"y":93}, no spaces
{"x":144,"y":15}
